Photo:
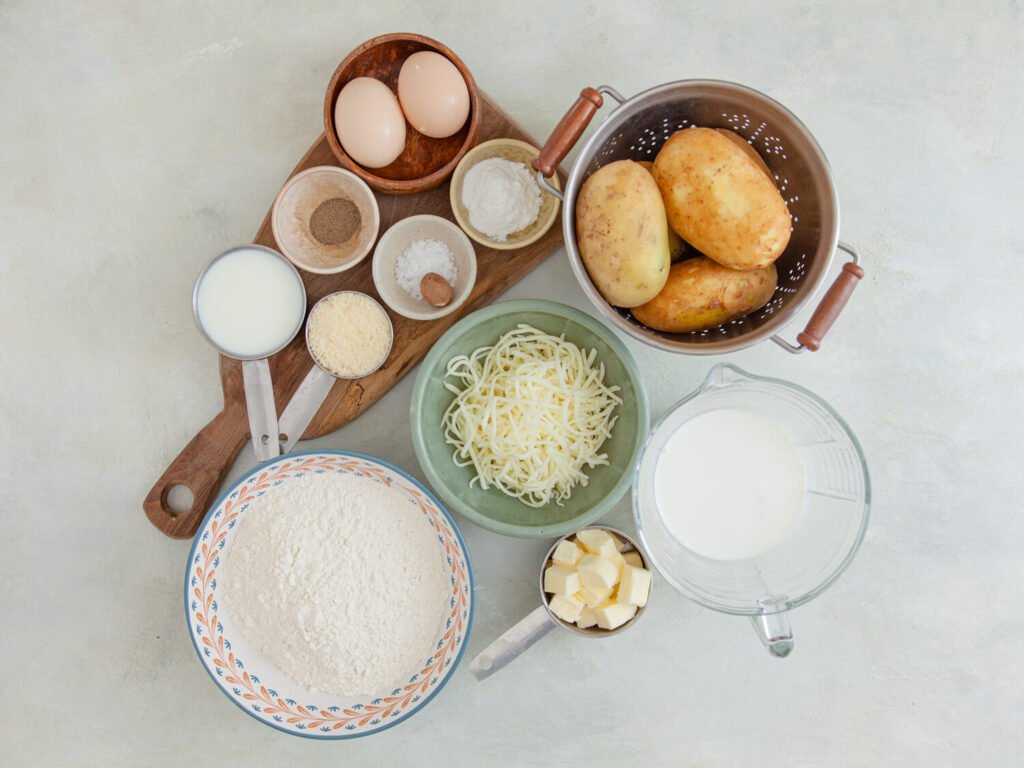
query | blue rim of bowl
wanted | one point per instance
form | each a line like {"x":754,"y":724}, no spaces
{"x":592,"y":324}
{"x":430,"y":494}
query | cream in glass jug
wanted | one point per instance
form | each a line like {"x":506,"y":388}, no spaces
{"x":752,"y":497}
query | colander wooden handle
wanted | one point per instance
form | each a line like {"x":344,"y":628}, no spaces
{"x":832,"y":303}
{"x":568,"y":131}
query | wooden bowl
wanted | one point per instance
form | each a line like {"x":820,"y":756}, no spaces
{"x":425,"y":162}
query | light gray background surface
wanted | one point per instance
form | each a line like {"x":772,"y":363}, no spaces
{"x":137,"y":140}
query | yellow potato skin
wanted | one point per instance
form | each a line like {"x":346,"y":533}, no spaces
{"x":702,"y":294}
{"x":748,"y":150}
{"x":676,"y":246}
{"x":719,"y":201}
{"x":622,"y":233}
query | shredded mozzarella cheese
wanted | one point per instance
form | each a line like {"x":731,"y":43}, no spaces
{"x":530,"y":414}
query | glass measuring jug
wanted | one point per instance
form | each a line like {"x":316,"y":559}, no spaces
{"x":816,"y":550}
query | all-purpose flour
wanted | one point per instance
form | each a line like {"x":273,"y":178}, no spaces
{"x":338,"y":580}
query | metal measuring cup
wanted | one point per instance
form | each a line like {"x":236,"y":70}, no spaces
{"x":258,"y":386}
{"x":315,"y":387}
{"x":541,"y":620}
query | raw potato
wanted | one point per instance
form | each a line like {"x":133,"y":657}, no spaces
{"x":701,"y":294}
{"x":748,"y":150}
{"x":720,"y":201}
{"x":676,"y":246}
{"x":622,"y":233}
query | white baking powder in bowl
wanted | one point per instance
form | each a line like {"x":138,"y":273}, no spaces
{"x":339,"y":581}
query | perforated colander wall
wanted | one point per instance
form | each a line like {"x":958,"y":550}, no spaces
{"x":638,"y":129}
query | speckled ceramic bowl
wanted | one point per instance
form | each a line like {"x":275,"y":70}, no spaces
{"x":514,"y":151}
{"x":492,"y":509}
{"x":252,"y":682}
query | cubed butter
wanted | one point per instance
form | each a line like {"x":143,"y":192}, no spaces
{"x":594,"y":597}
{"x":566,"y":607}
{"x":561,"y":580}
{"x":619,"y":544}
{"x":614,"y":615}
{"x":567,"y":554}
{"x":598,"y":572}
{"x":598,"y":542}
{"x":587,"y":618}
{"x":593,"y":539}
{"x":633,"y":558}
{"x":635,"y":586}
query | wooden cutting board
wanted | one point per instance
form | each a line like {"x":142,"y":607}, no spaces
{"x":203,"y":463}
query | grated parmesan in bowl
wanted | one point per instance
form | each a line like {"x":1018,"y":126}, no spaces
{"x":349,"y":334}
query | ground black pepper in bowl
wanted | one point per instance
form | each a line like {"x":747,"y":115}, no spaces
{"x":335,"y":221}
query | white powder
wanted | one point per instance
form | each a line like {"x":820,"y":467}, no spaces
{"x":421,"y":257}
{"x":339,"y":581}
{"x":501,"y":197}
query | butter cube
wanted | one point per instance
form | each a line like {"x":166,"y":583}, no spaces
{"x":598,"y":572}
{"x":619,"y":543}
{"x":587,"y":619}
{"x":592,"y":598}
{"x":598,"y":542}
{"x":561,"y":580}
{"x":566,"y":607}
{"x":593,"y":539}
{"x":614,"y":615}
{"x":635,"y":586}
{"x":633,"y":558}
{"x":567,"y":554}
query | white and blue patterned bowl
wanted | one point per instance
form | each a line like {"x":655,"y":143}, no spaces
{"x":256,"y":685}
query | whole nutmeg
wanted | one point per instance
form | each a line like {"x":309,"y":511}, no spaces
{"x":436,"y":290}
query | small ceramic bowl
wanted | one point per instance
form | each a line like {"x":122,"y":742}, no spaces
{"x":492,"y":509}
{"x":295,"y":205}
{"x":397,"y":239}
{"x":425,"y":162}
{"x":517,"y":152}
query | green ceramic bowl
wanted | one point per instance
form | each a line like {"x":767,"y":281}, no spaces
{"x":491,"y":509}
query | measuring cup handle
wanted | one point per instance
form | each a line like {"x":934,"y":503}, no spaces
{"x":568,"y":131}
{"x":262,"y":410}
{"x":200,"y":467}
{"x":775,"y":633}
{"x":301,"y":409}
{"x":510,"y":645}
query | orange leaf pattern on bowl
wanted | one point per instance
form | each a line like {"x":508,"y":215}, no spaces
{"x":332,"y":719}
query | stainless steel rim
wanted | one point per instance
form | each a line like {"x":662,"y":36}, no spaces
{"x":591,"y":632}
{"x":195,"y":300}
{"x":575,"y":180}
{"x":391,"y":343}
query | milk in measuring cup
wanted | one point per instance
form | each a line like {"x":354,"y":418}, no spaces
{"x":250,"y":302}
{"x":729,"y":484}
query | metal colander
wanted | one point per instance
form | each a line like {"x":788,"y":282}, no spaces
{"x":636,"y":130}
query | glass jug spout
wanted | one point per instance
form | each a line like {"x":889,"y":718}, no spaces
{"x":773,"y":629}
{"x":724,"y":374}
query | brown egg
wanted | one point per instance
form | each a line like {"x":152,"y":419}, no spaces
{"x":433,"y":94}
{"x":369,"y":122}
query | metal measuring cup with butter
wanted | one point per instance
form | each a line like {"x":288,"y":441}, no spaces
{"x":593,"y":583}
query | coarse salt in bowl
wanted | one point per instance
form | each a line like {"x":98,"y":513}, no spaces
{"x":397,"y":239}
{"x":257,"y":686}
